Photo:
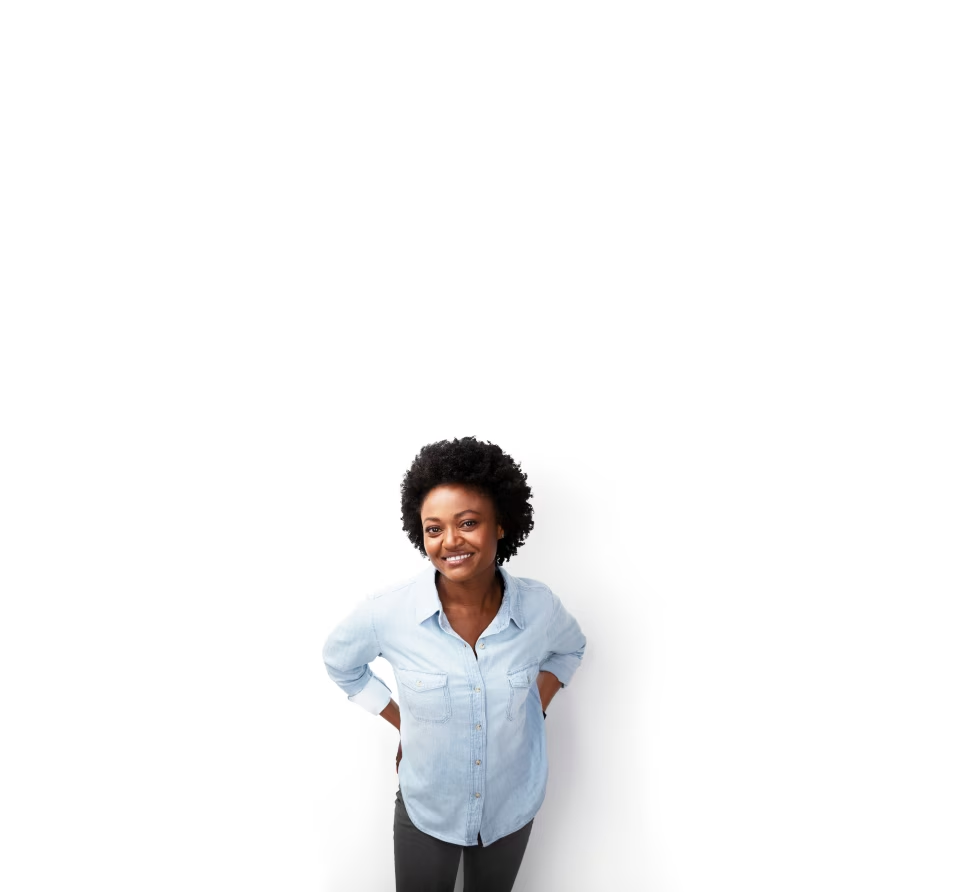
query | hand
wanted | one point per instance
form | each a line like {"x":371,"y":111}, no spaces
{"x":399,"y":755}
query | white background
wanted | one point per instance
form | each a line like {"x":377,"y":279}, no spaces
{"x":693,"y":265}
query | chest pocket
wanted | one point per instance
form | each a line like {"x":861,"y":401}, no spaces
{"x":520,"y":681}
{"x":426,"y":694}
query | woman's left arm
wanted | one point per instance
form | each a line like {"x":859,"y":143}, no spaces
{"x":548,"y":685}
{"x":567,"y":643}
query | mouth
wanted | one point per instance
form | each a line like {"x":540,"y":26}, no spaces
{"x":458,"y":558}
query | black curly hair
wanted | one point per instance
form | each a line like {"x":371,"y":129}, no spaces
{"x":483,"y":466}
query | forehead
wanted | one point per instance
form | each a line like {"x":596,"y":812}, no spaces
{"x":452,"y":498}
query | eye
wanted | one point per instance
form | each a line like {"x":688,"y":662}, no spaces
{"x":466,"y":522}
{"x":432,"y":530}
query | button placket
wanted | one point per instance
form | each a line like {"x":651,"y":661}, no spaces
{"x":477,"y":701}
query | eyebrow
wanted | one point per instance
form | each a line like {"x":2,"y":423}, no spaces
{"x":459,"y":514}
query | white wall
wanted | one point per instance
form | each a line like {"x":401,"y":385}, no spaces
{"x":692,"y":266}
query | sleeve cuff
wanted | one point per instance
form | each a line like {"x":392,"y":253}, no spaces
{"x":374,"y":697}
{"x":562,"y":669}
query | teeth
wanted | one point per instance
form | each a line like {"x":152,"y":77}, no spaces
{"x":457,"y":558}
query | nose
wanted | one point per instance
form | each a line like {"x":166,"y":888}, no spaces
{"x":451,"y":538}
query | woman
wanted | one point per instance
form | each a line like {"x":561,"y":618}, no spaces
{"x":478,"y":656}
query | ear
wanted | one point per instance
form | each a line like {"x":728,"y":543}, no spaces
{"x":499,"y":532}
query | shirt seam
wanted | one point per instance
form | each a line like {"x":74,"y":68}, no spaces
{"x":549,"y":625}
{"x":376,"y":637}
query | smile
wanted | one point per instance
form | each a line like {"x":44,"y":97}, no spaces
{"x":457,"y":558}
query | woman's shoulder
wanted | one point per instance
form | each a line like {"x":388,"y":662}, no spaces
{"x":524,"y":582}
{"x":527,"y":584}
{"x":532,"y":591}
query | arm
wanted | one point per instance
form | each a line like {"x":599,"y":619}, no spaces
{"x":392,"y":715}
{"x":347,"y":655}
{"x":567,"y":643}
{"x":548,"y":685}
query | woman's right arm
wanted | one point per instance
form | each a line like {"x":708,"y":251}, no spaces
{"x":347,"y":655}
{"x":348,"y":651}
{"x":392,"y":715}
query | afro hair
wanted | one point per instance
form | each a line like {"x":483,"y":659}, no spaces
{"x":482,"y":466}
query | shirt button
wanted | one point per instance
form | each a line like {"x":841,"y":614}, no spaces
{"x":482,"y":646}
{"x":478,"y":762}
{"x":479,"y":727}
{"x":477,"y":795}
{"x":419,"y":684}
{"x":477,"y":690}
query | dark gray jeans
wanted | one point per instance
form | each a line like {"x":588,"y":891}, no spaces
{"x":424,"y":863}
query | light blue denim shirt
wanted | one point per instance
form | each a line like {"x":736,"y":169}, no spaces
{"x":472,"y":726}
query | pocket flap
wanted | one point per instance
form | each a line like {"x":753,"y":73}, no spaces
{"x":421,"y":681}
{"x":521,"y":678}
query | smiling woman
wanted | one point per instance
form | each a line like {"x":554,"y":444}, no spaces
{"x":478,"y":656}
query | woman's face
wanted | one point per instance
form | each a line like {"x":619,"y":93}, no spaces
{"x":460,"y":531}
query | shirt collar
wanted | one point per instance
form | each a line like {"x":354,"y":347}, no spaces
{"x":427,"y":601}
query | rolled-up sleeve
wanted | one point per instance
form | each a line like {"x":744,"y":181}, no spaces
{"x":566,"y":642}
{"x":347,"y":655}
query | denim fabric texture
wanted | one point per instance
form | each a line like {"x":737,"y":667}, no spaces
{"x":472,"y":726}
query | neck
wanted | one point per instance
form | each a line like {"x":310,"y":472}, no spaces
{"x":475,"y":594}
